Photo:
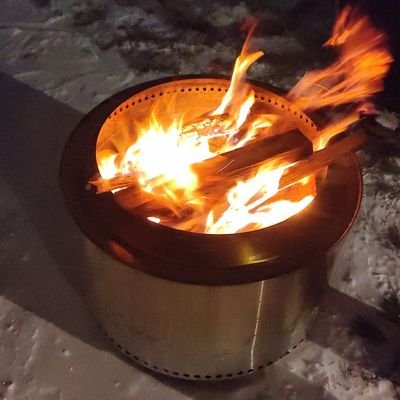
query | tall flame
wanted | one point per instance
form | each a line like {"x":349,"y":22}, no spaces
{"x":358,"y":73}
{"x":363,"y":61}
{"x":163,"y":154}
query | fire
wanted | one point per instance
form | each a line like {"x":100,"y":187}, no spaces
{"x":363,"y":62}
{"x":248,"y":204}
{"x":163,"y":155}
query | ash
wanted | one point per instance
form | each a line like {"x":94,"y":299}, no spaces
{"x":61,"y":58}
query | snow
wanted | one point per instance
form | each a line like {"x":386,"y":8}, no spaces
{"x":50,"y":347}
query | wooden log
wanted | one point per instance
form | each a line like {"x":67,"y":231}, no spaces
{"x":214,"y":187}
{"x":252,"y":153}
{"x":290,"y":186}
{"x":287,"y":148}
{"x":322,"y":158}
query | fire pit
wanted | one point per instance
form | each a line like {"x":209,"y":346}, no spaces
{"x":192,"y":305}
{"x":208,"y":255}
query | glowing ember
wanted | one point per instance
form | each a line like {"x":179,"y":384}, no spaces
{"x":162,"y":155}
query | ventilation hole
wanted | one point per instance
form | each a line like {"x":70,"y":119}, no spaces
{"x":161,"y":94}
{"x":295,"y":113}
{"x":120,"y":110}
{"x":307,"y":121}
{"x":127,"y":106}
{"x":189,"y":89}
{"x":146,"y":98}
{"x":212,"y":89}
{"x":283,"y":106}
{"x":182,"y":90}
{"x":109,"y":117}
{"x":312,"y":125}
{"x":276,"y":103}
{"x":256,"y":96}
{"x":153,"y":96}
{"x":219,"y":89}
{"x":115,"y":113}
{"x":140,"y":100}
{"x":269,"y":100}
{"x":219,"y":376}
{"x":133,"y":103}
{"x":226,"y":89}
{"x":197,"y":89}
{"x":204,"y":89}
{"x":301,"y":116}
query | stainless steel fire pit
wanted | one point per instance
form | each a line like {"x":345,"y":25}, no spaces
{"x":192,"y":305}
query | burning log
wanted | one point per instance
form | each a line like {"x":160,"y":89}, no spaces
{"x":217,"y":173}
{"x":289,"y":147}
{"x":316,"y":161}
{"x":322,"y":158}
{"x":222,"y":171}
{"x":214,"y":186}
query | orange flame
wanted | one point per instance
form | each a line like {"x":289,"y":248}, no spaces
{"x":363,"y":62}
{"x":249,"y":208}
{"x":163,"y":153}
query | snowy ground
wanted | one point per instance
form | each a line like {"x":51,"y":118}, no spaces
{"x":57,"y":64}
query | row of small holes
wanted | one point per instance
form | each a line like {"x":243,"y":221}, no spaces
{"x":197,"y":89}
{"x":185,"y":375}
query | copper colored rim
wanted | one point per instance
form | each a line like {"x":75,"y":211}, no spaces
{"x":199,"y":258}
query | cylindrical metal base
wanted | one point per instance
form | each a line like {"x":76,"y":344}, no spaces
{"x":201,"y":332}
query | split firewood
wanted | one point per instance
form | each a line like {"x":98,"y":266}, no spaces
{"x":308,"y":166}
{"x":322,"y":158}
{"x":289,"y":184}
{"x":215,"y":172}
{"x":292,"y":144}
{"x":213,"y":187}
{"x":203,"y":125}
